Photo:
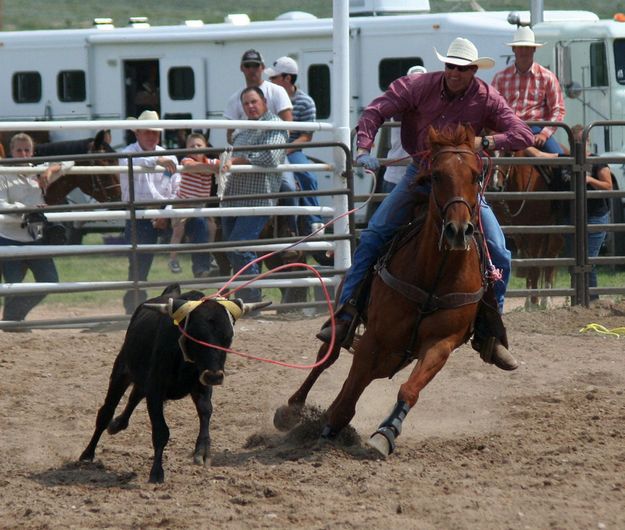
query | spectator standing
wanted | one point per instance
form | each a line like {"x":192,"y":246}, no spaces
{"x":532,"y":90}
{"x":195,"y":183}
{"x":437,"y":99}
{"x":21,"y":191}
{"x":156,"y":186}
{"x":278,"y":101}
{"x":243,"y":228}
{"x":284,"y":73}
{"x":393,"y":174}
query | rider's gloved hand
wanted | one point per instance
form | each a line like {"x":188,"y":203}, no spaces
{"x":368,"y":162}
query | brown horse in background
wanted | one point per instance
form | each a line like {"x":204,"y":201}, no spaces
{"x":102,"y":187}
{"x":527,"y":212}
{"x":423,"y":300}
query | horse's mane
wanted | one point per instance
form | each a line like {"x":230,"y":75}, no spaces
{"x":460,"y":135}
{"x":451,"y":137}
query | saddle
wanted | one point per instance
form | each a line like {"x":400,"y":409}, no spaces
{"x":488,"y":321}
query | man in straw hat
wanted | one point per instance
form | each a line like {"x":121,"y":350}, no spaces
{"x":156,"y":186}
{"x":441,"y":99}
{"x":532,"y":90}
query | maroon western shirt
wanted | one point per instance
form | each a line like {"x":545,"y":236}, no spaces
{"x":421,"y":100}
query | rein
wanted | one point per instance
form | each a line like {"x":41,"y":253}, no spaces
{"x":428,"y":301}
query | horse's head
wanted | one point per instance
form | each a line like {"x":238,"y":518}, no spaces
{"x":455,"y":169}
{"x":102,"y":187}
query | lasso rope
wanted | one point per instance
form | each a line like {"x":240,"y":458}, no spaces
{"x":614,"y":332}
{"x":221,"y":294}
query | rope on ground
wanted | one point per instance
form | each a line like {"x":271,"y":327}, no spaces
{"x":614,"y":332}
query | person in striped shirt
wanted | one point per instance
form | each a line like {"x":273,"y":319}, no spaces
{"x":193,"y":185}
{"x":533,"y":91}
{"x":284,"y":73}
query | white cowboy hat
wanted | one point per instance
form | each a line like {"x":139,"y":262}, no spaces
{"x":524,"y":36}
{"x":147,"y":115}
{"x":462,"y":52}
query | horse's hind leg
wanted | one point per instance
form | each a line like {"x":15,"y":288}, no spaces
{"x":531,"y":283}
{"x":287,"y":416}
{"x":383,"y":440}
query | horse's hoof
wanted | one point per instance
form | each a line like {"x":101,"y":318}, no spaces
{"x":287,"y":417}
{"x":380,"y":443}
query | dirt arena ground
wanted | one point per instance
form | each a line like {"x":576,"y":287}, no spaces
{"x":543,"y":447}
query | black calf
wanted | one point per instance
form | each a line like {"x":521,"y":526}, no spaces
{"x":162,"y":364}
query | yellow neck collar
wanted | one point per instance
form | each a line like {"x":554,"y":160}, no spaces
{"x":181,"y":313}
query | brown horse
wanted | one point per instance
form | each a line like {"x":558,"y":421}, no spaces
{"x":423,"y":300}
{"x":527,"y":178}
{"x":102,"y":187}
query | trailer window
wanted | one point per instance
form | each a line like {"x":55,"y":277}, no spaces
{"x":181,"y":83}
{"x":319,"y":89}
{"x":70,"y":86}
{"x":598,"y":65}
{"x":619,"y":60}
{"x":26,"y":87}
{"x":391,"y":69}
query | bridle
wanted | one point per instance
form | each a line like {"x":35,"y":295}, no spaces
{"x":110,"y":192}
{"x":442,"y":210}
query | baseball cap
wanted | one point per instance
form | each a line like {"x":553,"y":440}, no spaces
{"x":283,"y":65}
{"x":252,"y":56}
{"x":417,"y":69}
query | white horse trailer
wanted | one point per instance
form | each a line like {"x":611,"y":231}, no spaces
{"x":189,"y":71}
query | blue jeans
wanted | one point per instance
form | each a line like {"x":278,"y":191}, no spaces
{"x":287,"y":184}
{"x":387,"y":186}
{"x":551,"y":145}
{"x":307,"y":182}
{"x":595,"y":240}
{"x":244,"y":229}
{"x":196,"y":231}
{"x":44,"y":271}
{"x":394,"y":212}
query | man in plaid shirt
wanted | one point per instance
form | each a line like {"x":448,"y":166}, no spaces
{"x":243,"y":228}
{"x":532,"y":90}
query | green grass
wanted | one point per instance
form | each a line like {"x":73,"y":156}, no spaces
{"x":35,"y":14}
{"x":115,"y":268}
{"x":605,"y":278}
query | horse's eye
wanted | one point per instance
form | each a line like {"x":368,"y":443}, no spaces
{"x":436,"y":176}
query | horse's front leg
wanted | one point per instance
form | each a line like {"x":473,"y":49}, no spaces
{"x":361,"y":373}
{"x":432,"y":357}
{"x":287,"y":416}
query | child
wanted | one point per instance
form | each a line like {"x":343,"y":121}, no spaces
{"x":193,"y":185}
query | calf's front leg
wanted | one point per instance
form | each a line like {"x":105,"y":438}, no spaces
{"x":160,"y":436}
{"x":204,"y":407}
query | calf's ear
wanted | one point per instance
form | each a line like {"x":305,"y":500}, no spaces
{"x":172,"y":290}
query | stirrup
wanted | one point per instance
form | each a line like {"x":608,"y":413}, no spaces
{"x":345,"y":329}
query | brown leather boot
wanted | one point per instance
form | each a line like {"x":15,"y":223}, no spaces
{"x":492,"y":351}
{"x":345,"y":330}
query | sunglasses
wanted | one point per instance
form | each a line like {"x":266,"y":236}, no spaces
{"x":450,"y":66}
{"x":251,"y":65}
